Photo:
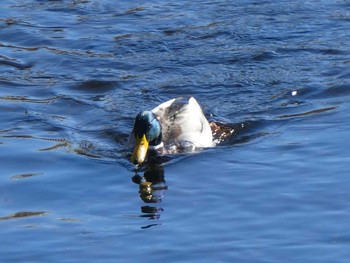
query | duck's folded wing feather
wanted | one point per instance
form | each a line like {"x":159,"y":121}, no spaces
{"x":184,"y":121}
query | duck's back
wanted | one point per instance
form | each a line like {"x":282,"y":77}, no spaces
{"x":183,"y":121}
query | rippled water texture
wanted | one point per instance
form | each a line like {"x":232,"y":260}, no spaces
{"x":73,"y":74}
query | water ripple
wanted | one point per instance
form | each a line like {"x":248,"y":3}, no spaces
{"x":23,"y":214}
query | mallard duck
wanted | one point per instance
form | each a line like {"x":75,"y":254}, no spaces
{"x":176,"y":125}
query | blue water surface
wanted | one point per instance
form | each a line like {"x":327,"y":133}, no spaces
{"x":73,"y":75}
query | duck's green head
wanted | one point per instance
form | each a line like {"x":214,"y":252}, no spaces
{"x":147,"y":132}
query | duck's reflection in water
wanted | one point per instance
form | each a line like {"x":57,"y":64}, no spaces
{"x":151,"y":189}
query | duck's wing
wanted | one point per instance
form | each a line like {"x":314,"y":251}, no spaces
{"x":182,"y":120}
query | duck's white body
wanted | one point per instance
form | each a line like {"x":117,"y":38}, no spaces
{"x":183,"y":124}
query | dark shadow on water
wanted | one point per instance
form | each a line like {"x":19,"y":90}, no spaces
{"x":152,"y":184}
{"x":151,"y":191}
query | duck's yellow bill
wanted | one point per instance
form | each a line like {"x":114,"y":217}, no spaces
{"x":140,"y":150}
